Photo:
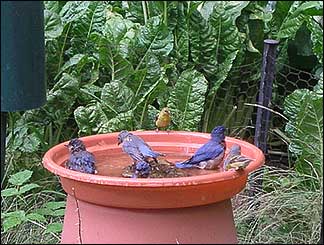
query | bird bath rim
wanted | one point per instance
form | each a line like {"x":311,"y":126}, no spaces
{"x":95,"y":143}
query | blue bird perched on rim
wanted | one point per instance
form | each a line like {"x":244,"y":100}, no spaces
{"x":234,"y":159}
{"x":142,"y":170}
{"x":136,"y":147}
{"x":209,"y":155}
{"x":80,"y":159}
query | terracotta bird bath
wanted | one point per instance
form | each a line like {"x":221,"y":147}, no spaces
{"x":113,"y":209}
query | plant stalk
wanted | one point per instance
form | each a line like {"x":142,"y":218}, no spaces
{"x":144,"y":11}
{"x":165,"y":13}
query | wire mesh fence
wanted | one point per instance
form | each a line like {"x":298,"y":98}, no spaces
{"x":242,"y":108}
{"x":237,"y":103}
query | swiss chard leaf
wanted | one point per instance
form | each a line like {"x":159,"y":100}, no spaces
{"x":317,"y":39}
{"x":297,"y":15}
{"x":221,"y":75}
{"x":202,"y":43}
{"x":61,"y":98}
{"x":304,"y":109}
{"x":187,"y":99}
{"x":120,"y":69}
{"x":8,"y":192}
{"x":181,"y":37}
{"x":53,"y":24}
{"x":74,"y":10}
{"x":155,"y":38}
{"x":90,"y":118}
{"x":117,"y":95}
{"x":227,"y":34}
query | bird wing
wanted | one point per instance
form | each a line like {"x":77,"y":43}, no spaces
{"x":238,"y":162}
{"x":143,"y":147}
{"x":208,"y":151}
{"x":139,"y":141}
{"x":234,"y":151}
{"x":82,"y":161}
{"x":229,"y":158}
{"x":89,"y":157}
{"x":132,"y":149}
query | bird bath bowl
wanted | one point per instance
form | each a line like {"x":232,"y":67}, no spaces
{"x":110,"y":209}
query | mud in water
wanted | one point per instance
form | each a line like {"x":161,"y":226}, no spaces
{"x":160,"y":169}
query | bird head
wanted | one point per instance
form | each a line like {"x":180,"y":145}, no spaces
{"x":235,"y":149}
{"x":75,"y":145}
{"x":218,"y":133}
{"x":166,"y":110}
{"x":121,"y":136}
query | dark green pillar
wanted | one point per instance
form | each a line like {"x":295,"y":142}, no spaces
{"x":22,"y":60}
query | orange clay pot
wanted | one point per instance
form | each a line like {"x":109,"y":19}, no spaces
{"x":195,"y":209}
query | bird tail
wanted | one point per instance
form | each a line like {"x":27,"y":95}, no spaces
{"x":184,"y":164}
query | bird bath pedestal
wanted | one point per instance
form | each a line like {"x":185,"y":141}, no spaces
{"x":195,"y":209}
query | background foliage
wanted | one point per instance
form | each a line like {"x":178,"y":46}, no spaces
{"x":112,"y":65}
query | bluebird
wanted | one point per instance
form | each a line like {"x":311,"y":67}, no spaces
{"x":80,"y":159}
{"x":210,"y":155}
{"x":136,"y":147}
{"x":142,"y":169}
{"x":235,"y":160}
{"x":163,"y":119}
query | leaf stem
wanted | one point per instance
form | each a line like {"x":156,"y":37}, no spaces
{"x":165,"y":13}
{"x":99,"y":100}
{"x":62,"y":50}
{"x":144,"y":12}
{"x":148,"y":9}
{"x":144,"y":110}
{"x":58,"y":134}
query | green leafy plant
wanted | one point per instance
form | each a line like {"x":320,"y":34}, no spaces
{"x":304,"y":108}
{"x":112,"y":65}
{"x":17,"y":198}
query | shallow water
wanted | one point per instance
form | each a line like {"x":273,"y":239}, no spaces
{"x":114,"y":164}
